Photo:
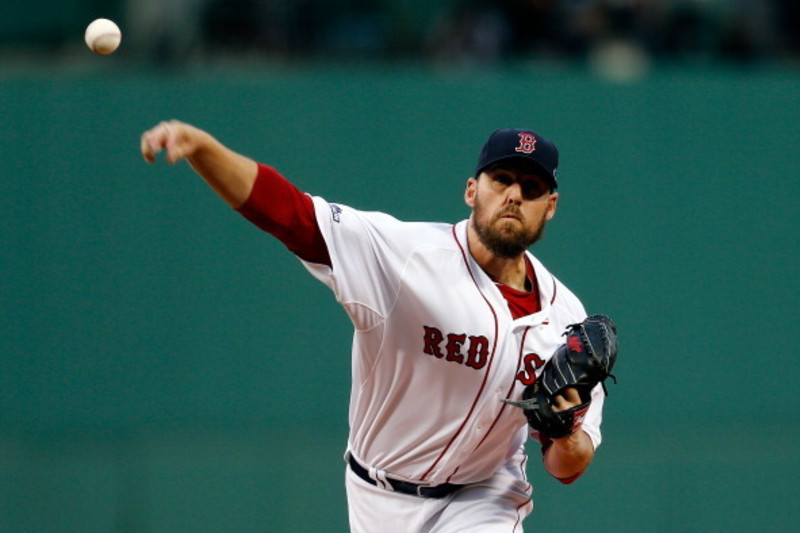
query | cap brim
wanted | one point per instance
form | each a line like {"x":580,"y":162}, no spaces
{"x":551,"y":180}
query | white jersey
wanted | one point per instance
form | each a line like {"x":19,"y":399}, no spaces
{"x":435,"y":347}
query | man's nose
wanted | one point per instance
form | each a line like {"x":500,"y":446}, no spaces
{"x":514,"y":193}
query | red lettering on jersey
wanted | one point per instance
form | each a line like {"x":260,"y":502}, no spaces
{"x":478,"y":352}
{"x":531,"y":362}
{"x":477,"y":347}
{"x":432,"y":338}
{"x":527,"y":143}
{"x":453,"y":347}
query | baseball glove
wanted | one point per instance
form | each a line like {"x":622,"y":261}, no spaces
{"x":583,"y":361}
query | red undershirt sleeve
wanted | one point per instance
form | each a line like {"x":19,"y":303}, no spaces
{"x":279,"y":208}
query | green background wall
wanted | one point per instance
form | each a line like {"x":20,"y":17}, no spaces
{"x":166,"y":367}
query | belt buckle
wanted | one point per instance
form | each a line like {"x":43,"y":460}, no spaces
{"x":421,"y":488}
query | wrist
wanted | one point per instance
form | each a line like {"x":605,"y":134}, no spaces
{"x":203,"y":144}
{"x":567,"y":457}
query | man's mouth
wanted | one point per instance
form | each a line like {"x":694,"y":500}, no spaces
{"x":511,"y":215}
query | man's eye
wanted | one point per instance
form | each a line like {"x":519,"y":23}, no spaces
{"x":533,"y":190}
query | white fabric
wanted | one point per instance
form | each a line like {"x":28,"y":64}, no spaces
{"x":435,"y":417}
{"x":496,"y":505}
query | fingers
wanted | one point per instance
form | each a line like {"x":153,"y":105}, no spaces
{"x":153,"y":141}
{"x":567,"y":399}
{"x":170,"y":136}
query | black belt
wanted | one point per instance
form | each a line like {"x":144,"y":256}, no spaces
{"x":437,"y":491}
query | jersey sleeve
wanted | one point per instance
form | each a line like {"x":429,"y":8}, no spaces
{"x":368,"y":251}
{"x":276,"y":206}
{"x":567,"y":309}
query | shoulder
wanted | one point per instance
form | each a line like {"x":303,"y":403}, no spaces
{"x":380,"y":228}
{"x":565,"y":306}
{"x":568,"y":300}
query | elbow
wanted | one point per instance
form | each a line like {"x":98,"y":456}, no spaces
{"x":570,"y":479}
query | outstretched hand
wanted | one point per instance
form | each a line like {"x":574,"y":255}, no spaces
{"x":230,"y":174}
{"x":180,"y":140}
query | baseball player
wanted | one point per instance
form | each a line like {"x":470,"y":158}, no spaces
{"x":452,"y":321}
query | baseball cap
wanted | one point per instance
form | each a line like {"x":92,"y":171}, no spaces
{"x":520,"y":144}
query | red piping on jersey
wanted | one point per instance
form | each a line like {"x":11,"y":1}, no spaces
{"x":523,"y":471}
{"x":519,"y":518}
{"x":453,"y":474}
{"x":508,"y":394}
{"x":555,"y":287}
{"x":488,"y":365}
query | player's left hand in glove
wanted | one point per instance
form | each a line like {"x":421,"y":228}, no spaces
{"x":583,"y":361}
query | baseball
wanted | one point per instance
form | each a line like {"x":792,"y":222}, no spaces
{"x":102,"y":36}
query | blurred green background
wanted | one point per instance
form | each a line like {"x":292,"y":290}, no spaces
{"x":167,"y":367}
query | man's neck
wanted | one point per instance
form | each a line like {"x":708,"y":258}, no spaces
{"x":508,"y":271}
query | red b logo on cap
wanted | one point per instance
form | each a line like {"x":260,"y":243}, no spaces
{"x":527,"y":143}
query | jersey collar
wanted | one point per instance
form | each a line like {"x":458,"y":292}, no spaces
{"x":546,"y":281}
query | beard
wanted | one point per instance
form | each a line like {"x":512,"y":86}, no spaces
{"x":505,"y":238}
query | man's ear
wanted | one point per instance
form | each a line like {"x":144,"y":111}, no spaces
{"x":470,"y":191}
{"x":552,"y":203}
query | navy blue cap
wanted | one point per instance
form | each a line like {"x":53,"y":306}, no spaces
{"x":520,"y":144}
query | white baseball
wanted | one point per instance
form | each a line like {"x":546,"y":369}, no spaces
{"x":102,"y":36}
